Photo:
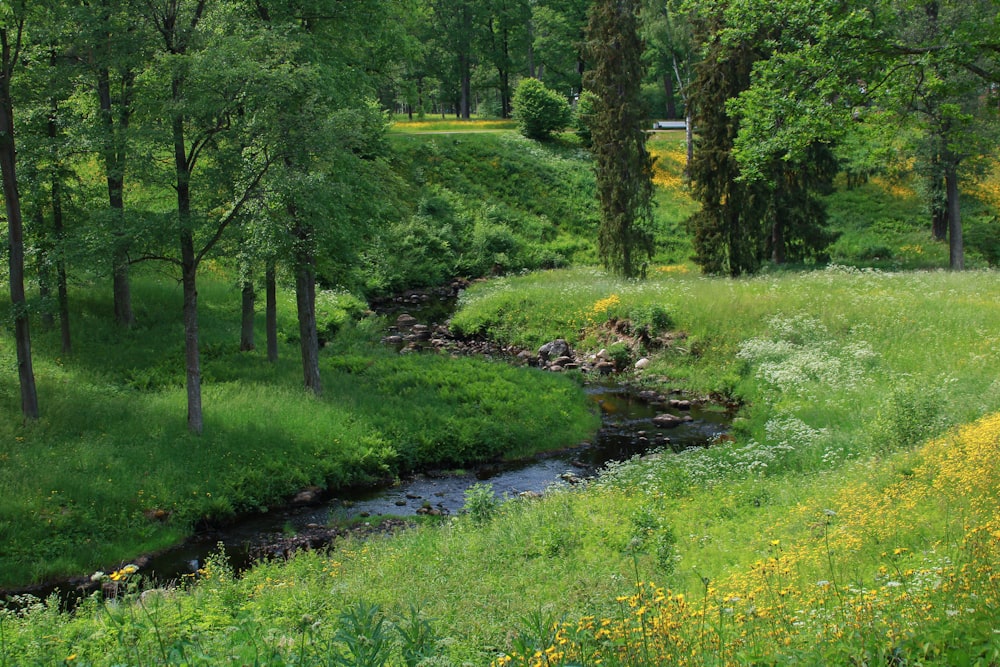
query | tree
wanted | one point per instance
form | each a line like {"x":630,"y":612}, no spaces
{"x":539,"y":111}
{"x":558,"y":54}
{"x":623,"y":165}
{"x":505,"y":36}
{"x":13,"y":18}
{"x":327,"y":138}
{"x":728,"y":231}
{"x":853,"y":60}
{"x":114,"y":51}
{"x":744,"y":221}
{"x":670,"y":47}
{"x":215,"y":92}
{"x":456,"y":22}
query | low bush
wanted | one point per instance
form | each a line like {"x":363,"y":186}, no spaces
{"x":539,"y":112}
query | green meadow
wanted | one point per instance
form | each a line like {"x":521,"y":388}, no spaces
{"x":851,"y":517}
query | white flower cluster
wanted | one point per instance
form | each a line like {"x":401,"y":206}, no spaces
{"x":803,"y":359}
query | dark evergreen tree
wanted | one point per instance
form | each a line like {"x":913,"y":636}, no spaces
{"x":744,"y":222}
{"x":623,"y":165}
{"x":728,"y":232}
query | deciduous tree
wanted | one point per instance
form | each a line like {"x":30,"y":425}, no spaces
{"x":13,"y":19}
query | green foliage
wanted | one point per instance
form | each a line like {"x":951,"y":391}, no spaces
{"x":364,"y":636}
{"x":623,"y":166}
{"x":907,"y":415}
{"x":117,"y":475}
{"x":481,"y":502}
{"x":539,"y":112}
{"x":483,"y":204}
{"x":583,"y":117}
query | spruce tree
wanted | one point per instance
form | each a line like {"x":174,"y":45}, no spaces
{"x":744,"y":222}
{"x":728,"y":232}
{"x":623,"y":166}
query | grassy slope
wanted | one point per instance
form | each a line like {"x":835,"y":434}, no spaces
{"x":849,"y":373}
{"x":78,"y":487}
{"x":788,"y":580}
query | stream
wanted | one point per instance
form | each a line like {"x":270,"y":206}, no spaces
{"x":628,"y":429}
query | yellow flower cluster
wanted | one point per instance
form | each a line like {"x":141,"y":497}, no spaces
{"x":124,"y":573}
{"x":872,"y":599}
{"x":894,"y":188}
{"x":989,"y":188}
{"x":673,"y":268}
{"x":668,"y":166}
{"x":602,"y":308}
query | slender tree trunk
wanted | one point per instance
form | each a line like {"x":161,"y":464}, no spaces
{"x":58,"y":233}
{"x":504,"y":76}
{"x":531,"y":50}
{"x":246,"y":324}
{"x":114,"y":167}
{"x":939,"y":204}
{"x":61,"y":281}
{"x":305,"y":299}
{"x":956,"y":248}
{"x":689,"y":140}
{"x":15,"y":235}
{"x":192,"y":359}
{"x":271,"y":314}
{"x":44,"y":274}
{"x":189,"y":271}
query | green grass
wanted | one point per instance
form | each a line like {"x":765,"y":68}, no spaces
{"x":765,"y":341}
{"x":828,"y":481}
{"x":402,"y":124}
{"x":110,"y":472}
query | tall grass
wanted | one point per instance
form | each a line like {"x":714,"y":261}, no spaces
{"x":110,"y":472}
{"x":851,"y":360}
{"x":837,"y":528}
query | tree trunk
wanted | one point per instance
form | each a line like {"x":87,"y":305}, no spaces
{"x":58,"y":233}
{"x":689,"y":140}
{"x":939,"y":203}
{"x":305,"y":300}
{"x":531,"y":50}
{"x":15,"y":235}
{"x":114,"y":168}
{"x":44,"y":274}
{"x":192,"y":359}
{"x":189,"y":271}
{"x":777,"y":243}
{"x":61,"y":282}
{"x":246,"y":324}
{"x":668,"y":90}
{"x":271,"y":315}
{"x":956,"y":249}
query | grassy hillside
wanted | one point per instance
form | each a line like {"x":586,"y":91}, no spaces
{"x":110,"y":472}
{"x":485,"y":200}
{"x":847,"y":522}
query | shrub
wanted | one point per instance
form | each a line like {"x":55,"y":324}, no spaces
{"x":538,"y":110}
{"x":481,"y":502}
{"x":582,"y":116}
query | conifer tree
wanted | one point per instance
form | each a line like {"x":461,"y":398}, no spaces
{"x":745,"y":221}
{"x":623,"y":165}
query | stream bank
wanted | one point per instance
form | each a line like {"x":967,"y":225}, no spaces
{"x":634,"y":422}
